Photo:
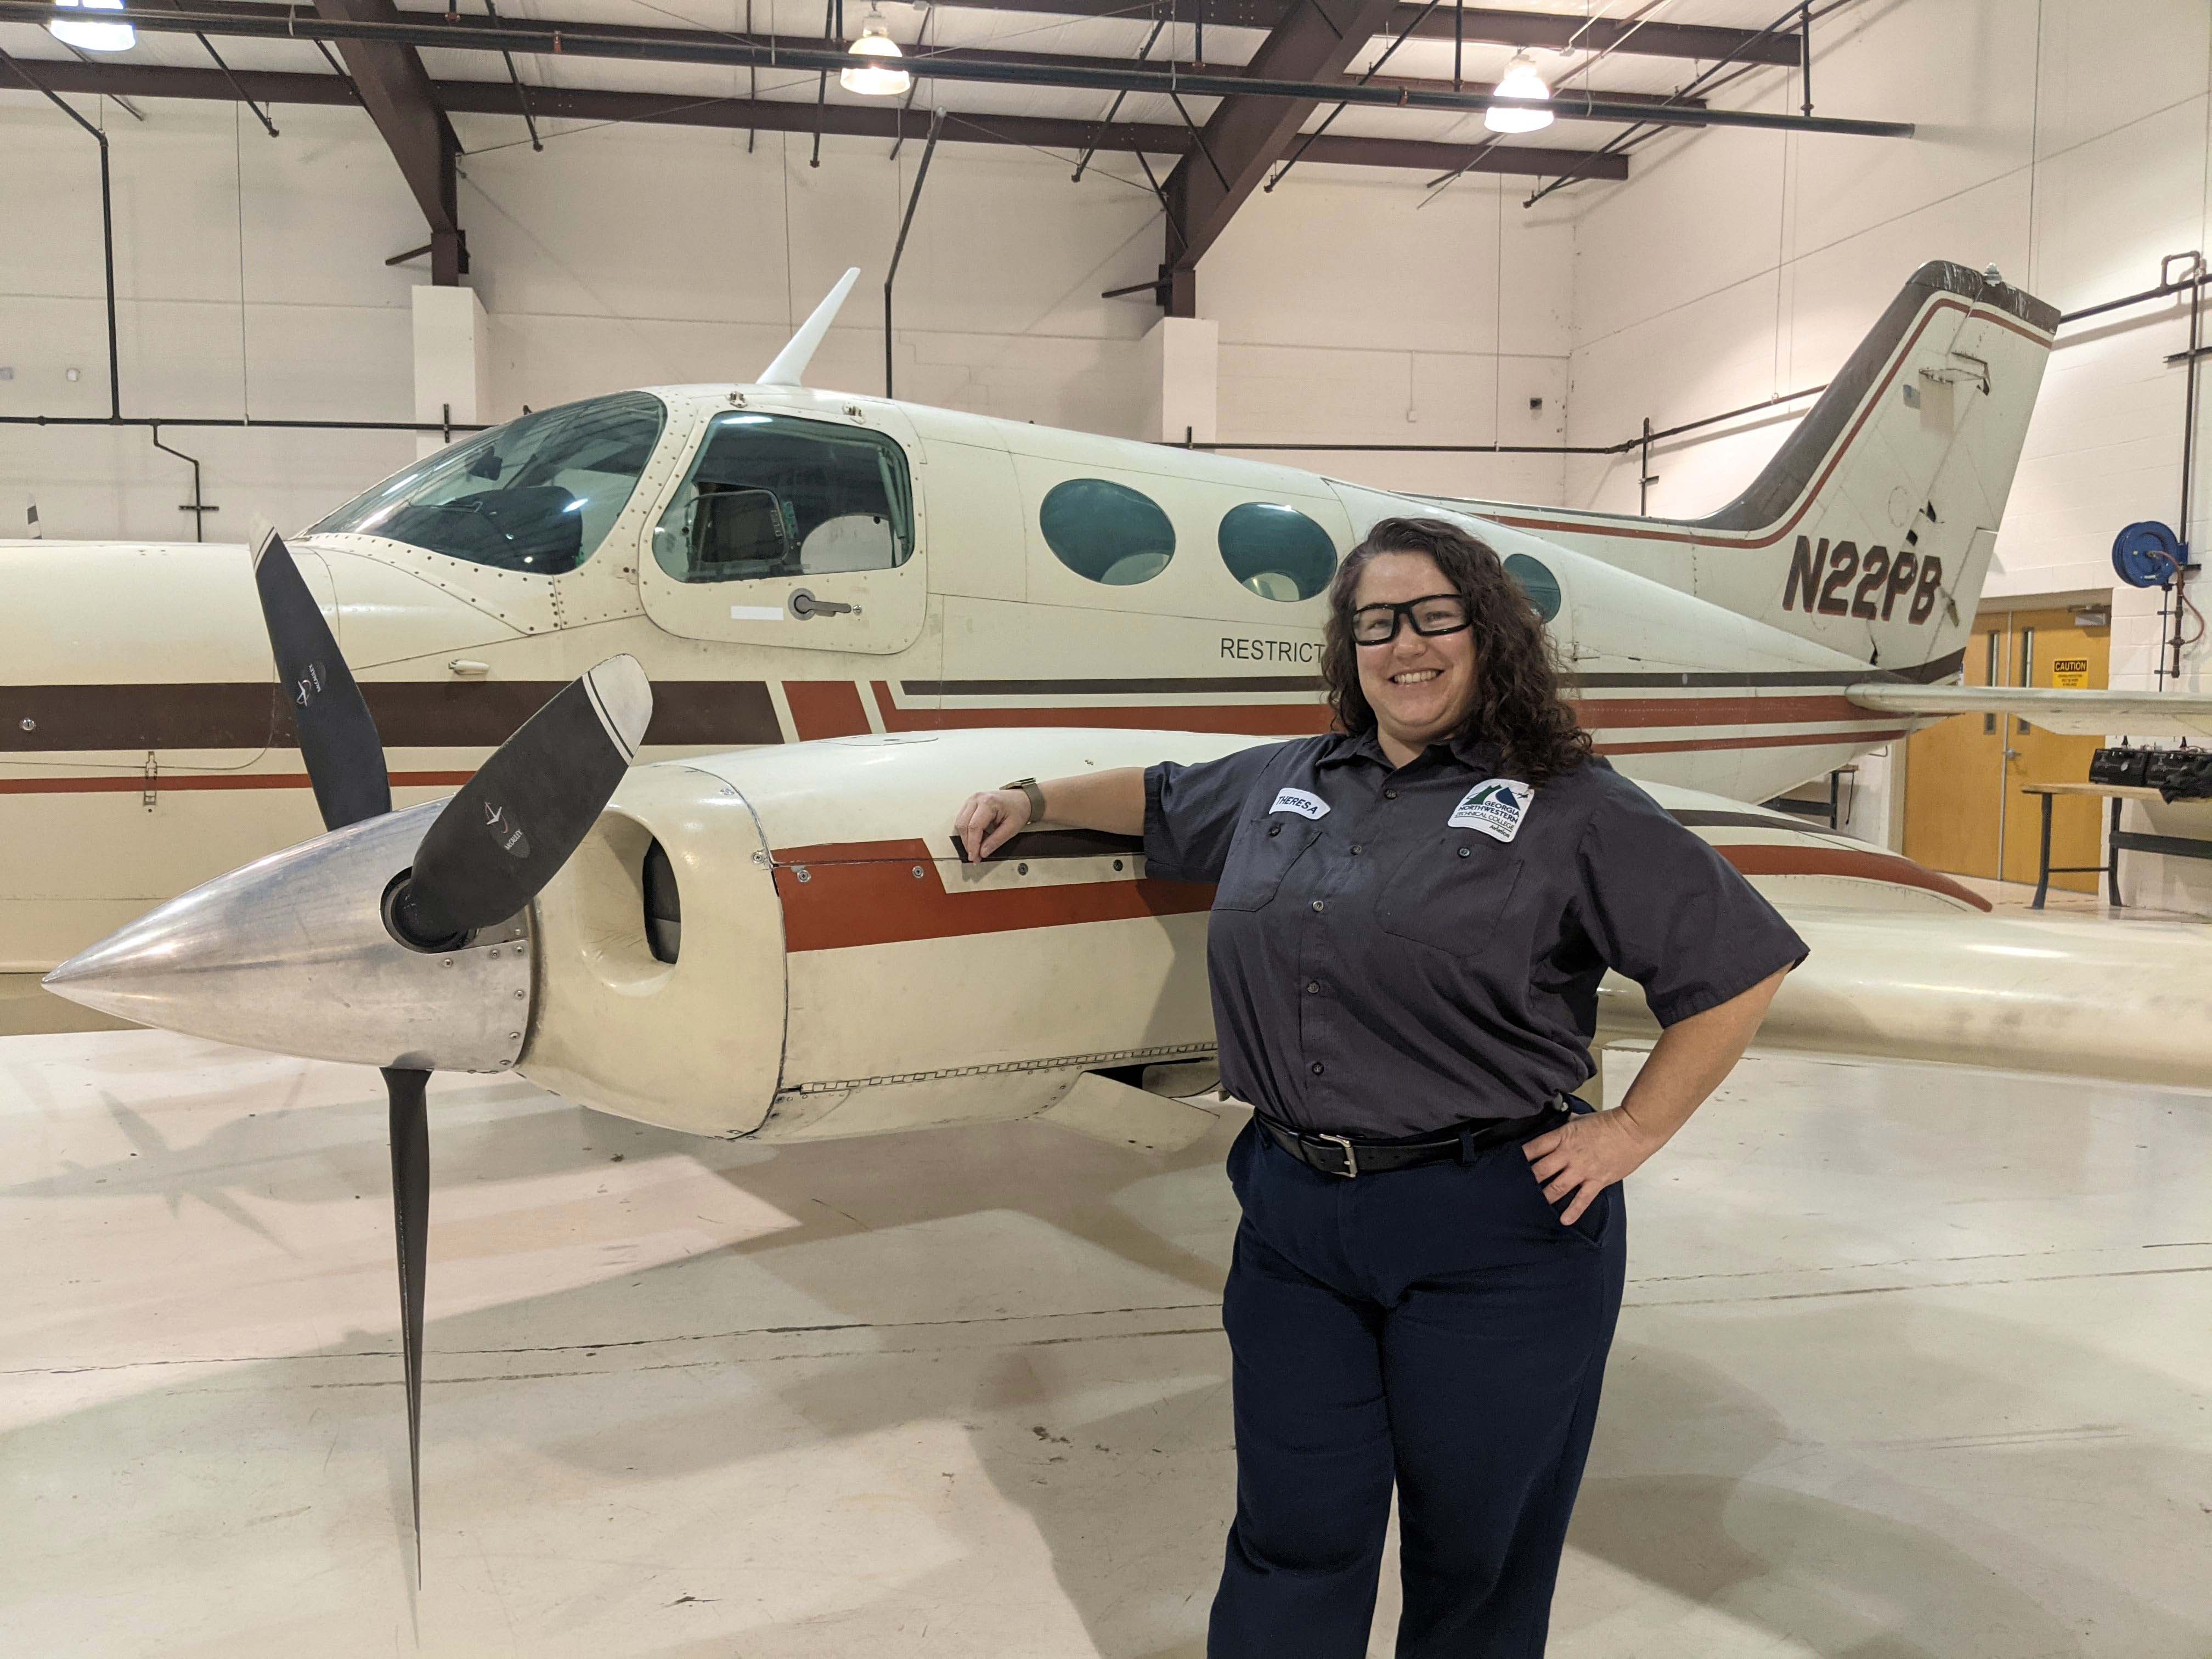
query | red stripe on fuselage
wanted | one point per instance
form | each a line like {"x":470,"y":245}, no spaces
{"x":869,"y":893}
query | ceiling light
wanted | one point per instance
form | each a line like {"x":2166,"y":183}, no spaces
{"x":875,"y":74}
{"x":1520,"y":80}
{"x":94,"y":37}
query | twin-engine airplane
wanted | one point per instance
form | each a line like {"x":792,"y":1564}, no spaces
{"x":856,"y":612}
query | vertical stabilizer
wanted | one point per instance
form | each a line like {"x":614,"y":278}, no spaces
{"x":1871,"y":530}
{"x":789,"y":367}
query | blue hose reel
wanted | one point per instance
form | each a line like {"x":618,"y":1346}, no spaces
{"x":2148,"y":555}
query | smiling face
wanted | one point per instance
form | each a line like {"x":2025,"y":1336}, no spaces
{"x":1420,"y":687}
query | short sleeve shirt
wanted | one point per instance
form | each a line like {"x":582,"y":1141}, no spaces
{"x":1394,"y":949}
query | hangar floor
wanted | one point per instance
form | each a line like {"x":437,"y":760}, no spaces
{"x":1913,"y":1366}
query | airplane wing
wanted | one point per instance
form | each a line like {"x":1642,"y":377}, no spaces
{"x":1908,"y":965}
{"x":2073,"y":714}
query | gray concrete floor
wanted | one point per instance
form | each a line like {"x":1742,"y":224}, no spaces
{"x":1913,"y":1364}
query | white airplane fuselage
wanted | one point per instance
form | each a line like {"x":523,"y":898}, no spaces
{"x":144,"y":749}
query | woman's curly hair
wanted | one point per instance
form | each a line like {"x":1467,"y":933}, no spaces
{"x":1517,"y":705}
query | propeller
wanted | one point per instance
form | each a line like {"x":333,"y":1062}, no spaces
{"x":492,"y":850}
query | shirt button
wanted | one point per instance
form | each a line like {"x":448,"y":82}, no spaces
{"x":1389,"y":794}
{"x":1464,"y":852}
{"x":1355,"y":849}
{"x":1320,"y":905}
{"x":1313,"y":987}
{"x":1315,"y":1068}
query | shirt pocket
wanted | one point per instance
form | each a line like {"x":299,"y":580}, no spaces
{"x":1449,"y":894}
{"x":1258,"y":858}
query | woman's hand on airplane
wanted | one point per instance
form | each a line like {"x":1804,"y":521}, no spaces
{"x":988,"y":819}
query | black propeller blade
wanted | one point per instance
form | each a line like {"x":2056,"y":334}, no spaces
{"x":411,"y":1220}
{"x":513,"y":824}
{"x":487,"y":855}
{"x":337,"y":737}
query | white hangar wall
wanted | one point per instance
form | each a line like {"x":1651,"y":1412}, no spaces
{"x":2044,"y":149}
{"x":251,"y":281}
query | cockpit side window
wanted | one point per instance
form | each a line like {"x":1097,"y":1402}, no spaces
{"x":537,"y":495}
{"x":777,"y":495}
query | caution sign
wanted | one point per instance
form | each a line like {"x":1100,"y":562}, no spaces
{"x":2070,"y":673}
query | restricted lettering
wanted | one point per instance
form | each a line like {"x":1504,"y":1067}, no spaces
{"x":1298,"y":651}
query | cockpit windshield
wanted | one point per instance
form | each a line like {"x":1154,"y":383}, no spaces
{"x":537,"y":495}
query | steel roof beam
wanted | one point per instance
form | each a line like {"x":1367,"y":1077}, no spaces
{"x":1245,"y":136}
{"x":1257,"y":80}
{"x":871,"y":121}
{"x":1543,"y":30}
{"x":396,"y":89}
{"x":917,"y":56}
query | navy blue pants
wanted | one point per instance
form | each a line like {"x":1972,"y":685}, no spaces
{"x":1437,"y":1328}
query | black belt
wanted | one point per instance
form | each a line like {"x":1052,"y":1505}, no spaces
{"x":1343,"y":1155}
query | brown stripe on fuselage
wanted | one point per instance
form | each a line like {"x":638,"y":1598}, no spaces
{"x":163,"y":783}
{"x":1770,"y":858}
{"x":1259,"y":720}
{"x":408,"y":714}
{"x":1767,"y":740}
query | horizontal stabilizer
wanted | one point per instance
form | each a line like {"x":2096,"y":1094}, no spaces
{"x":2073,"y":714}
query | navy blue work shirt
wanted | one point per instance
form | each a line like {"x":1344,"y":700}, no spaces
{"x":1396,"y":950}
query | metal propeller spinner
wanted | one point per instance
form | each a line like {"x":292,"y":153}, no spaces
{"x":487,"y":854}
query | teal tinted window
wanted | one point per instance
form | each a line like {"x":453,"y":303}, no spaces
{"x":1107,"y":531}
{"x":1537,"y":581}
{"x":1277,"y":551}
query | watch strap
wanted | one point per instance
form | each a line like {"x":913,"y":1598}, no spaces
{"x":1029,"y":788}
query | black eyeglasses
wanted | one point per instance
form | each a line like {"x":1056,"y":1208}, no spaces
{"x":1430,"y":615}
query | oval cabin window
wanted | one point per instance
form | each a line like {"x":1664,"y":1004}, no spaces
{"x":1107,"y":532}
{"x":1537,"y":581}
{"x":1276,"y":550}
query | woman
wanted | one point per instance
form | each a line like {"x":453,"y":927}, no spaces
{"x":1411,"y":918}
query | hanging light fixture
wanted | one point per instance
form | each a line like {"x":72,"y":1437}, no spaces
{"x":1520,"y":80}
{"x":874,"y":71}
{"x":93,"y":37}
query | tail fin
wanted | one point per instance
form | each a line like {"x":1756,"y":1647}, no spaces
{"x":1871,"y":530}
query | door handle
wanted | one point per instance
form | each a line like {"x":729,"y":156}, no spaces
{"x":805,"y":604}
{"x":2012,"y":754}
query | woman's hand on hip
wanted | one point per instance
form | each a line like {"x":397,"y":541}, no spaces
{"x":1587,"y":1154}
{"x":987,"y":819}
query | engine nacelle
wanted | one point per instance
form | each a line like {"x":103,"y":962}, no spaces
{"x":839,"y":971}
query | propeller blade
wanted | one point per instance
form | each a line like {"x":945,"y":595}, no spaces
{"x":515,"y":823}
{"x":337,"y":737}
{"x":411,"y":1216}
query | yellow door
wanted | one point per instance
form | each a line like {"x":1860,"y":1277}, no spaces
{"x":1964,"y":811}
{"x":1954,"y":774}
{"x":2046,"y":649}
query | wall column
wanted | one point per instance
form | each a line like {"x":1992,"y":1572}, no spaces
{"x":1182,"y":368}
{"x":452,"y":357}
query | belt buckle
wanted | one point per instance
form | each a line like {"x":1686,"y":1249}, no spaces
{"x":1350,"y":1158}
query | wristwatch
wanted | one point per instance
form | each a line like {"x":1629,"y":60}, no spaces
{"x":1028,"y":787}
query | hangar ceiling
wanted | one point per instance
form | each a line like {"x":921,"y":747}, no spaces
{"x":1214,"y":100}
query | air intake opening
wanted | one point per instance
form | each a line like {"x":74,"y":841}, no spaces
{"x":664,"y":906}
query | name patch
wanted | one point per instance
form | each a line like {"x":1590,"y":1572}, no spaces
{"x":1496,"y":808}
{"x":1297,"y":800}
